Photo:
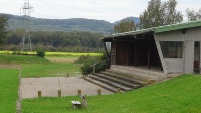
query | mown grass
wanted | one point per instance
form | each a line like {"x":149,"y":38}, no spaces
{"x":9,"y":59}
{"x":33,"y":66}
{"x":8,"y":90}
{"x":49,"y":70}
{"x":180,"y":95}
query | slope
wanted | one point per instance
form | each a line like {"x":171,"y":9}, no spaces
{"x":181,"y":94}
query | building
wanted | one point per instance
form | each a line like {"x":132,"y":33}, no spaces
{"x":171,"y":49}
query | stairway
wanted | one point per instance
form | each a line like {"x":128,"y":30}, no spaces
{"x":124,"y":78}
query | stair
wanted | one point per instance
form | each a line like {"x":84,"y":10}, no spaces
{"x":124,"y":78}
{"x":136,"y":73}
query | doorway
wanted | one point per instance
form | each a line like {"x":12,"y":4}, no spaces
{"x":197,"y":57}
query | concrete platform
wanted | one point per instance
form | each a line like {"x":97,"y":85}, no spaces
{"x":50,"y":86}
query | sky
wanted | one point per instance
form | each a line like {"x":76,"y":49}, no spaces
{"x":108,"y":10}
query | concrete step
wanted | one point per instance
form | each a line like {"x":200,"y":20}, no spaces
{"x":98,"y":83}
{"x":137,"y":71}
{"x":137,"y":78}
{"x":143,"y":73}
{"x":111,"y":83}
{"x":124,"y":82}
{"x":124,"y":78}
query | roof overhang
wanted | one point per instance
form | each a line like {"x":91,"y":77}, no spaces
{"x":155,"y":30}
{"x":174,"y":27}
{"x":131,"y":33}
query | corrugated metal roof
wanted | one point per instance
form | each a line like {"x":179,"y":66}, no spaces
{"x":159,"y":29}
{"x":177,"y":26}
{"x":134,"y":32}
{"x":130,"y":33}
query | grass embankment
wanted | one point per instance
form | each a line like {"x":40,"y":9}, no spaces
{"x":8,"y":90}
{"x":179,"y":95}
{"x":33,"y":66}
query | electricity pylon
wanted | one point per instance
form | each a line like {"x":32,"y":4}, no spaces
{"x":26,"y":39}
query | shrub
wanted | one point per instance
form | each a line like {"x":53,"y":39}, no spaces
{"x":40,"y":53}
{"x":82,"y":58}
{"x":86,"y":68}
{"x":88,"y":62}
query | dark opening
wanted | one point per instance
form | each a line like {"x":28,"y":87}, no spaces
{"x":136,"y":51}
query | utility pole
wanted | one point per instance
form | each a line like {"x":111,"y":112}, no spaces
{"x":26,"y":39}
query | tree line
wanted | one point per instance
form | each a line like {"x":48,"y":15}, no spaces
{"x":56,"y":41}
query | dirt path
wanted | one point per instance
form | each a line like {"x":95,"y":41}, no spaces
{"x":19,"y":92}
{"x":50,"y":86}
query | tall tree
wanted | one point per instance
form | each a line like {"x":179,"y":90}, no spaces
{"x":125,"y":25}
{"x":160,"y":13}
{"x":3,"y":24}
{"x":193,"y":14}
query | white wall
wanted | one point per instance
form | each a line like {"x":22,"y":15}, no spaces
{"x":185,"y":64}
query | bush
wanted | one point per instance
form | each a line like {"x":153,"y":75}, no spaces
{"x":40,"y":53}
{"x":88,"y":62}
{"x":87,"y":68}
{"x":82,"y":59}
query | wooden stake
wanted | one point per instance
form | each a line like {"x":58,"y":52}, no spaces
{"x":39,"y":94}
{"x":79,"y":92}
{"x":118,"y":90}
{"x":99,"y":92}
{"x":59,"y":93}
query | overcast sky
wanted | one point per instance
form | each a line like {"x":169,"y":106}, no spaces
{"x":109,"y":10}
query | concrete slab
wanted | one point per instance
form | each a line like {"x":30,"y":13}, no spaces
{"x":49,"y":86}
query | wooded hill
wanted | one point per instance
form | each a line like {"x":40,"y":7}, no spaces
{"x":77,"y":35}
{"x":66,"y":25}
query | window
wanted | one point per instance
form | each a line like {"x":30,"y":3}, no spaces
{"x":172,"y":49}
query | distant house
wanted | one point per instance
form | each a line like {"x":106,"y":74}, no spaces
{"x":171,"y":49}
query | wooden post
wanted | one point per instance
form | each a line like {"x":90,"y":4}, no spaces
{"x":59,"y":93}
{"x":67,"y":75}
{"x":148,"y":58}
{"x":99,"y":92}
{"x":106,"y":51}
{"x":39,"y":94}
{"x":79,"y":92}
{"x":118,"y":90}
{"x":94,"y":68}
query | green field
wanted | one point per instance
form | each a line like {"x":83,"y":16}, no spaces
{"x":33,"y":66}
{"x":9,"y":82}
{"x":54,"y":64}
{"x":180,"y":95}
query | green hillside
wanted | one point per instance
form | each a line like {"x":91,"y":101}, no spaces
{"x":179,"y":95}
{"x":66,"y":25}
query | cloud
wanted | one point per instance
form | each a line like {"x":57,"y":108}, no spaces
{"x":109,"y":10}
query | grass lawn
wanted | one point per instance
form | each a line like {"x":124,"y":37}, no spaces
{"x":49,"y":70}
{"x":9,"y":82}
{"x":58,"y":66}
{"x":180,"y":95}
{"x":33,"y":66}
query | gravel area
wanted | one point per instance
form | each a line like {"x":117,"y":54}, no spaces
{"x":49,"y":86}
